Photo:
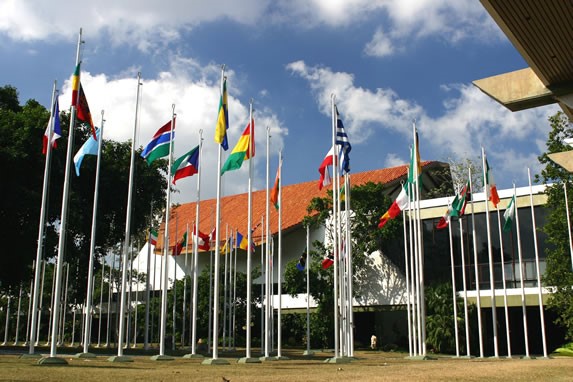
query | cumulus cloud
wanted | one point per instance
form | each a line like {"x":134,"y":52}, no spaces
{"x":468,"y":121}
{"x":380,"y":45}
{"x":195,"y":94}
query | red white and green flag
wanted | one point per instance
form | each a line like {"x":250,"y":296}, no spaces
{"x":509,"y":215}
{"x":153,"y":237}
{"x":490,"y":187}
{"x":396,"y":207}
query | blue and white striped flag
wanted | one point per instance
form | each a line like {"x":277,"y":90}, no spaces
{"x":345,"y":147}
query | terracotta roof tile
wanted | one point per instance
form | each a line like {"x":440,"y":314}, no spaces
{"x":295,"y":199}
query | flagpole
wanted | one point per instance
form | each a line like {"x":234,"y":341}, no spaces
{"x":348,"y":199}
{"x":538,"y":272}
{"x":505,"y":307}
{"x":476,"y":269}
{"x":268,"y":333}
{"x":420,"y":244}
{"x":234,"y":326}
{"x":225,"y":285}
{"x":333,"y":230}
{"x":248,"y":358}
{"x":173,"y":326}
{"x":454,"y":291}
{"x":466,"y":315}
{"x":28,"y":316}
{"x":279,"y":270}
{"x":63,"y":226}
{"x":126,"y":243}
{"x":308,"y":352}
{"x":89,"y":297}
{"x":215,"y":351}
{"x":43,"y":208}
{"x":109,"y":282}
{"x":568,"y":222}
{"x":100,"y":305}
{"x":413,"y":291}
{"x":485,"y":171}
{"x":18,"y":316}
{"x":196,"y":251}
{"x":148,"y":282}
{"x":522,"y":284}
{"x":184,"y":289}
{"x":407,"y":273}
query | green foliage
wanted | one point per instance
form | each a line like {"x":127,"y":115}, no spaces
{"x":22,"y":170}
{"x":558,"y":273}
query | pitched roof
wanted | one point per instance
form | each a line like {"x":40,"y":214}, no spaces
{"x":295,"y":199}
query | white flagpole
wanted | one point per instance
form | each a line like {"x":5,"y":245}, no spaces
{"x":215,"y":343}
{"x":53,"y":305}
{"x":234,"y":327}
{"x":490,"y":256}
{"x":279,"y":270}
{"x":347,"y":198}
{"x":28,"y":316}
{"x":225,"y":285}
{"x":307,"y":266}
{"x":334,"y":230}
{"x":184,"y":290}
{"x":466,"y":315}
{"x":65,"y":306}
{"x":173,"y":288}
{"x":538,"y":272}
{"x":476,"y":269}
{"x":568,"y":222}
{"x":505,"y":307}
{"x":268,"y":334}
{"x":521,"y":274}
{"x":7,"y":318}
{"x":109,"y":281}
{"x":410,"y":353}
{"x":40,"y":244}
{"x":454,"y":291}
{"x":37,"y":340}
{"x":63,"y":227}
{"x":196,"y":251}
{"x":18,"y":316}
{"x":148,"y":282}
{"x":413,"y":293}
{"x":89,"y":297}
{"x":100,"y":305}
{"x":165,"y":280}
{"x":126,"y":242}
{"x":248,"y":358}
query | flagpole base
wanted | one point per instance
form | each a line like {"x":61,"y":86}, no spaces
{"x":215,"y":361}
{"x":308,"y":353}
{"x":281,"y":358}
{"x":160,"y":357}
{"x":33,"y":355}
{"x":248,"y":360}
{"x":421,"y":358}
{"x":52,"y":361}
{"x":120,"y":358}
{"x":337,"y":360}
{"x":85,"y":355}
{"x":190,"y":355}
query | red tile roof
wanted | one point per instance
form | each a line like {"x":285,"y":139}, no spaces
{"x":234,"y":208}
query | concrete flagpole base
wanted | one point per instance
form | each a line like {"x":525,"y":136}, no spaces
{"x":160,"y":357}
{"x":215,"y":361}
{"x":193,"y":356}
{"x":281,"y":358}
{"x":248,"y":360}
{"x":85,"y":355}
{"x":33,"y":355}
{"x":270,"y":358}
{"x":308,"y":353}
{"x":52,"y":361}
{"x":337,"y":360}
{"x":120,"y":358}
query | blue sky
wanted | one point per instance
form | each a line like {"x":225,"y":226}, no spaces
{"x":387,"y":61}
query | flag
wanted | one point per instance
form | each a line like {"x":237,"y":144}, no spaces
{"x":509,"y":215}
{"x":242,"y":241}
{"x":345,"y":147}
{"x":57,"y":133}
{"x":179,"y":246}
{"x":461,"y":200}
{"x":186,"y":165}
{"x":490,"y":187}
{"x":444,"y":220}
{"x":222,"y":119}
{"x":323,"y":169}
{"x":88,"y":148}
{"x":203,"y":240}
{"x":301,"y":265}
{"x":242,"y":149}
{"x":415,"y":161}
{"x":328,"y":261}
{"x":275,"y":191}
{"x":75,"y":85}
{"x":153,"y":237}
{"x":158,"y":147}
{"x":396,"y":207}
{"x":83,"y":111}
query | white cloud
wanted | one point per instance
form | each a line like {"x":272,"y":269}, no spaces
{"x":196,"y":98}
{"x":393,"y":160}
{"x":380,"y":45}
{"x":469,"y":120}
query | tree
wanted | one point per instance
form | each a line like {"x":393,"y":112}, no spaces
{"x":558,"y":273}
{"x":22,"y":171}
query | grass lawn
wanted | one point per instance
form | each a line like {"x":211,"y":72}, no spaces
{"x":368,"y":366}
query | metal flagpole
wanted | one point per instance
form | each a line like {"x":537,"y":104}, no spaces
{"x":210,"y":326}
{"x":347,"y":198}
{"x":406,"y":262}
{"x":215,"y":343}
{"x":7,"y":318}
{"x":184,"y":310}
{"x":267,"y":299}
{"x":173,"y":286}
{"x":40,"y":244}
{"x":120,"y":357}
{"x":65,"y":306}
{"x":225,"y":285}
{"x":279,"y":261}
{"x":476,"y":269}
{"x":148,"y":282}
{"x":416,"y":277}
{"x":18,"y":316}
{"x":63,"y":226}
{"x":537,"y":270}
{"x":263,"y":277}
{"x":39,"y":312}
{"x":335,"y":252}
{"x":248,"y":358}
{"x":196,"y":252}
{"x":53,"y":305}
{"x":420,"y":254}
{"x":505,"y":307}
{"x":521,"y":274}
{"x":234,"y":327}
{"x":89,"y":297}
{"x":466,"y":315}
{"x":165,"y":284}
{"x":109,"y":281}
{"x":134,"y":345}
{"x":28,"y":316}
{"x":568,"y":222}
{"x":308,"y":352}
{"x":413,"y":293}
{"x":100,"y":305}
{"x":454,"y":291}
{"x":490,"y":254}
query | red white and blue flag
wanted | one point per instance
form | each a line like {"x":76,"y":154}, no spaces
{"x":186,"y":165}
